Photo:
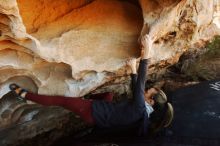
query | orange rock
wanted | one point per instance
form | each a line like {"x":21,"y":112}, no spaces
{"x":60,"y":42}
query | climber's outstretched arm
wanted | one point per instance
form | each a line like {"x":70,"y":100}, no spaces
{"x":132,"y":64}
{"x":146,"y":44}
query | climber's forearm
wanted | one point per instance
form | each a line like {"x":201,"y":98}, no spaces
{"x":146,"y":47}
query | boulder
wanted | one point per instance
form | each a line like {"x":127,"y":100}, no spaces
{"x":179,"y":26}
{"x":91,"y":40}
{"x":72,"y":48}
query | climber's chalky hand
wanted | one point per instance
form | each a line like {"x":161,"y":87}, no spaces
{"x":132,"y":64}
{"x":146,"y":46}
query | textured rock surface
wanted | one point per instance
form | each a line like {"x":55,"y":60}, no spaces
{"x":46,"y":124}
{"x":205,"y":66}
{"x":55,"y":43}
{"x":73,"y":47}
{"x":90,"y":38}
{"x":179,"y":27}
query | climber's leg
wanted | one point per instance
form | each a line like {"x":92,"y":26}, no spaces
{"x":80,"y":106}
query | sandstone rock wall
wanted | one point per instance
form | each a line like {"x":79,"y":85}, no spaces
{"x":180,"y":26}
{"x":73,"y":47}
{"x":84,"y":38}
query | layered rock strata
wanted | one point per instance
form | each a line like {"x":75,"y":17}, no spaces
{"x":73,"y":47}
{"x":179,"y":26}
{"x":90,"y":38}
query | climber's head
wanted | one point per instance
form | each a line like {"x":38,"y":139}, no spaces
{"x":149,"y":94}
{"x":155,"y":95}
{"x":162,"y":115}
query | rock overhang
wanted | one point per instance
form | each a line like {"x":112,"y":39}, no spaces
{"x":92,"y":38}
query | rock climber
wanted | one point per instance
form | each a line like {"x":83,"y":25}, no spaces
{"x":148,"y":107}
